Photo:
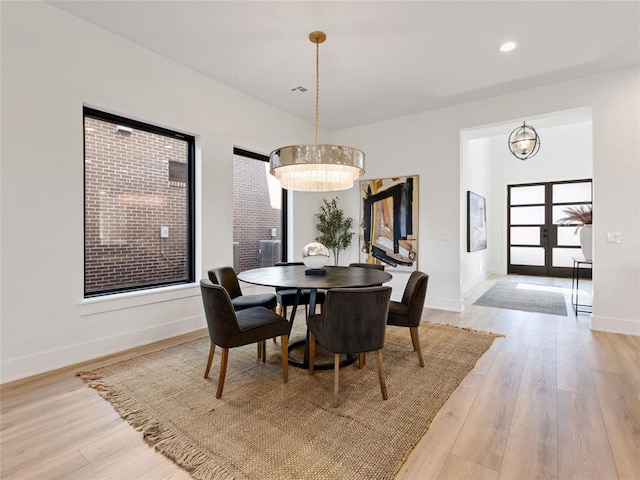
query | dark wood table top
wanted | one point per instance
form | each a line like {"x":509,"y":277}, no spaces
{"x":293,"y":276}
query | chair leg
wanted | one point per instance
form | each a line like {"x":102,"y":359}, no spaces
{"x":361,"y":360}
{"x":416,"y":344}
{"x":383,"y":386}
{"x":285,"y":357}
{"x":212,"y":349}
{"x":259,"y":345}
{"x":223,"y":371}
{"x":336,"y":376}
{"x":264,"y":350}
{"x":275,"y":310}
{"x":312,"y":351}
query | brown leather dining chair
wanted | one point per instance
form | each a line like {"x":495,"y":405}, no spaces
{"x":353,"y":321}
{"x":229,"y":328}
{"x":226,"y":276}
{"x":407,"y":313}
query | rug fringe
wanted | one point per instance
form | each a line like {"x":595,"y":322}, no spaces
{"x":468,"y":329}
{"x":201,"y":466}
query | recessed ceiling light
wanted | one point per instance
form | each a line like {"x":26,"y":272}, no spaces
{"x":508,"y":46}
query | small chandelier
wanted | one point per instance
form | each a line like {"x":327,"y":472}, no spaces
{"x":317,"y":167}
{"x":524,"y":142}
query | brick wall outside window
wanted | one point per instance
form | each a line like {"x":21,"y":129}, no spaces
{"x":128,"y":197}
{"x":253,"y":216}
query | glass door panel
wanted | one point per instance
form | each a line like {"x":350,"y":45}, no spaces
{"x":527,"y":256}
{"x":563,"y":257}
{"x":572,"y":192}
{"x":568,"y":237}
{"x":528,"y":195}
{"x":527,"y":215}
{"x":525,"y":235}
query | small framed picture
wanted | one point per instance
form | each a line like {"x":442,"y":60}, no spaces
{"x":476,"y":222}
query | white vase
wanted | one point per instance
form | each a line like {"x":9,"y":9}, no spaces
{"x":586,"y":241}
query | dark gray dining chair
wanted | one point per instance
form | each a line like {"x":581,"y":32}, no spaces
{"x":375,"y":266}
{"x":286,"y":297}
{"x":372,"y":266}
{"x":226,"y":277}
{"x":229,"y":328}
{"x":353,"y":321}
{"x":407,"y":313}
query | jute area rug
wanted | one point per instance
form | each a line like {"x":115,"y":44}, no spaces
{"x":524,"y":296}
{"x":262,"y":428}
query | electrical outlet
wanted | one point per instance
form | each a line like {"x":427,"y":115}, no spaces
{"x":164,"y":232}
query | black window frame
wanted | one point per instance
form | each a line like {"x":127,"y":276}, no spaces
{"x":190,"y":194}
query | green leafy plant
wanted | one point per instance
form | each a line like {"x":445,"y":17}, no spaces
{"x":334,"y":227}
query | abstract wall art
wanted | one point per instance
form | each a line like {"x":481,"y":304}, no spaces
{"x":389,"y":223}
{"x":476,"y":222}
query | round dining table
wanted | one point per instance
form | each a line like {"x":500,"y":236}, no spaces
{"x":295,"y":276}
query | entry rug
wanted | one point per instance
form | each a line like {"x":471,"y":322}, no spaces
{"x":264,"y":429}
{"x":524,"y":296}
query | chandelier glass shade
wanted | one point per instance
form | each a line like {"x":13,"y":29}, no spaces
{"x":317,"y":167}
{"x":524,"y":142}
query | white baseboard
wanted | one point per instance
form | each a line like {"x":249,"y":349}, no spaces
{"x":448,"y":304}
{"x":41,"y":362}
{"x":615,"y":325}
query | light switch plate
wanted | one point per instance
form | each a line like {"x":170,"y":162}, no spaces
{"x":614,"y":237}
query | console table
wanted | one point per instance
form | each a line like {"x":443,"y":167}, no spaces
{"x":579,"y":264}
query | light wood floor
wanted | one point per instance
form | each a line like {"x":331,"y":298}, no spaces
{"x":551,"y":399}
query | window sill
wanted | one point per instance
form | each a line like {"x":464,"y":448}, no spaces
{"x":122,"y":301}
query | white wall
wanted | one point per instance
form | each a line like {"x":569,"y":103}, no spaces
{"x":476,"y":175}
{"x":428,"y":144}
{"x":52,"y":64}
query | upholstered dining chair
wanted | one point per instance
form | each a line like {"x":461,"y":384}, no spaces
{"x":407,"y":313}
{"x":226,"y":276}
{"x":229,"y":328}
{"x":353,"y":321}
{"x":286,"y":297}
{"x":375,"y":266}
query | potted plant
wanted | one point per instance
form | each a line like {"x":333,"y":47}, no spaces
{"x":334,"y":227}
{"x":583,"y":217}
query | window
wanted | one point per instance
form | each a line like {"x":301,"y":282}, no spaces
{"x":259,"y":213}
{"x":139,"y":229}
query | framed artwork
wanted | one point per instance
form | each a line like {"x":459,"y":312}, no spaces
{"x":389,"y":223}
{"x":476,"y":222}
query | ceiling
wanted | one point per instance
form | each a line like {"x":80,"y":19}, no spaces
{"x":382,"y":59}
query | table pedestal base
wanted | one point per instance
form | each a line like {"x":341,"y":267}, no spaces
{"x":304,"y":363}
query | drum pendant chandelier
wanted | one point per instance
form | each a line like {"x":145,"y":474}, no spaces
{"x":317,"y":167}
{"x":524,"y":142}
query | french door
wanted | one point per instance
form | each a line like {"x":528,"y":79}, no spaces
{"x":537,"y":244}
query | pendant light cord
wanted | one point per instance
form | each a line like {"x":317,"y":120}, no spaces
{"x":317,"y":90}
